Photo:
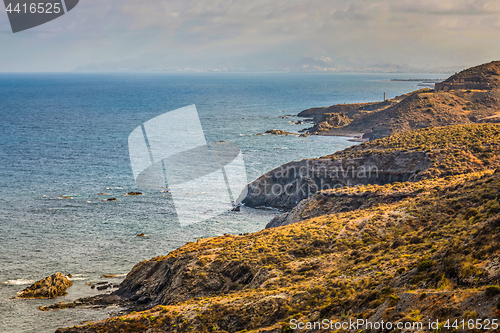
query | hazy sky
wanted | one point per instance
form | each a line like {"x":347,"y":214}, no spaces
{"x":420,"y":33}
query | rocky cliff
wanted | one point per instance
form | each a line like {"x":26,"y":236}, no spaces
{"x":285,"y":186}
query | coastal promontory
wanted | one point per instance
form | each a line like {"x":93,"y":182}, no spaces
{"x":471,"y":96}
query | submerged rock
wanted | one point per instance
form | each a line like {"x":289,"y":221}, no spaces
{"x":279,"y":132}
{"x":134,"y":193}
{"x":50,"y":287}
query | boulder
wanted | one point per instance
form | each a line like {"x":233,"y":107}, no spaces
{"x":50,"y":287}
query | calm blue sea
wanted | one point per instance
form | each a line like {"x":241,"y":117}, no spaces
{"x":65,"y":135}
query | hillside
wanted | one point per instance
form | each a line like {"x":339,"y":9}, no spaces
{"x":409,"y":156}
{"x":471,"y":96}
{"x":486,"y":76}
{"x":404,"y":252}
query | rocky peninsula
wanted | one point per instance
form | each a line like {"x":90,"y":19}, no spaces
{"x":471,"y":96}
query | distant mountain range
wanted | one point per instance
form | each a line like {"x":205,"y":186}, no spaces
{"x":297,"y":57}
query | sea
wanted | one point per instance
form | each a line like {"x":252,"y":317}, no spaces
{"x":64,"y":152}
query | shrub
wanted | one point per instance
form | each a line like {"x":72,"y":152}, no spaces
{"x":491,"y":291}
{"x":425,"y":265}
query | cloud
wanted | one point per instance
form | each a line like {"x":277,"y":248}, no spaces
{"x":416,"y":32}
{"x":448,"y":7}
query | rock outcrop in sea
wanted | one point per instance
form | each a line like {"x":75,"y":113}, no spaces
{"x":49,"y":287}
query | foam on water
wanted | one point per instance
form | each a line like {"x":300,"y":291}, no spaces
{"x":19,"y":282}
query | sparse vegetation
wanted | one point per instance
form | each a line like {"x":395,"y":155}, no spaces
{"x":406,"y":251}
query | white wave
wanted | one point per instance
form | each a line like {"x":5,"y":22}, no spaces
{"x":18,"y":282}
{"x":108,"y":276}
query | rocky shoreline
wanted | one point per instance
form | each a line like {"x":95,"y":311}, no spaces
{"x":167,"y":290}
{"x":362,"y":229}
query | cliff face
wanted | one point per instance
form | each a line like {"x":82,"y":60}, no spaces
{"x":412,"y":156}
{"x":285,"y":186}
{"x":351,"y":110}
{"x":175,"y":279}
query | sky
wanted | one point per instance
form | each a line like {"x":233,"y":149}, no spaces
{"x":419,"y":33}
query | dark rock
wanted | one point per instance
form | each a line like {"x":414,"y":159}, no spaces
{"x":100,"y":301}
{"x":367,"y":135}
{"x":134,"y":193}
{"x":111,"y":199}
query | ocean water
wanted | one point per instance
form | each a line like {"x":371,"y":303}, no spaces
{"x":66,"y":135}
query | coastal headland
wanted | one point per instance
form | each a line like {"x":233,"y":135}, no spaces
{"x":400,"y":229}
{"x":471,"y":96}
